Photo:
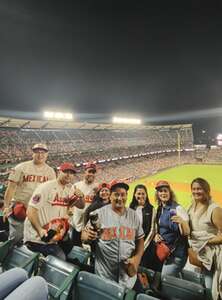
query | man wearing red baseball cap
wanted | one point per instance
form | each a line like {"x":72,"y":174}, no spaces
{"x":47,"y":219}
{"x":89,"y":188}
{"x":22,"y":182}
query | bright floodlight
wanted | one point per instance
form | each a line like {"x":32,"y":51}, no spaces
{"x":118,"y":120}
{"x":219,"y":136}
{"x":58,"y":115}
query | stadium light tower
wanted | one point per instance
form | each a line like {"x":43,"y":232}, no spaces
{"x":119,"y":120}
{"x":56,"y":115}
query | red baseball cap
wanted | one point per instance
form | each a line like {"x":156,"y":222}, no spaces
{"x":66,"y":166}
{"x":104,"y":185}
{"x":162,"y":183}
{"x":90,"y":165}
{"x":118,"y":183}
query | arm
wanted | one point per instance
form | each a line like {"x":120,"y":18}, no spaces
{"x":182,"y":219}
{"x":217,"y":221}
{"x":133,"y":262}
{"x":10,"y":192}
{"x":32,"y":214}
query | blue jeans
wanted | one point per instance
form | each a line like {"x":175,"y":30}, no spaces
{"x":173,"y":266}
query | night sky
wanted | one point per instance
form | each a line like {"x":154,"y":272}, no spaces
{"x":161,"y":60}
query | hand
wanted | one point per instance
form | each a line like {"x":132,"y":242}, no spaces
{"x":158,"y":238}
{"x":77,"y":199}
{"x":132,"y":265}
{"x":90,"y":233}
{"x":177,"y":219}
{"x":6,"y":212}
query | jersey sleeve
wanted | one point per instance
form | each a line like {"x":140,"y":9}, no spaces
{"x":39,"y":197}
{"x":16,"y":174}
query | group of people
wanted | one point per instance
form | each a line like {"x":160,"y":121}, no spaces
{"x":52,"y":213}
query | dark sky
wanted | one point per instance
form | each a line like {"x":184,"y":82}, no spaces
{"x":156,"y":59}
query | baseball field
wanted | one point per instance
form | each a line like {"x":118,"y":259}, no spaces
{"x":180,"y":179}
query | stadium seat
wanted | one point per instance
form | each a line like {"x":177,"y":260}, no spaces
{"x":80,"y":254}
{"x":59,"y":275}
{"x":193,"y":277}
{"x":175,"y":288}
{"x":23,"y":258}
{"x":90,"y":286}
{"x":145,"y":297}
{"x":4,"y":250}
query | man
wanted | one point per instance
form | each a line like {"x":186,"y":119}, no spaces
{"x":47,"y":213}
{"x":120,"y":244}
{"x":23,"y":180}
{"x":88,"y":187}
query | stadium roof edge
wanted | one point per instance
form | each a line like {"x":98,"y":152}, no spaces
{"x":16,"y":123}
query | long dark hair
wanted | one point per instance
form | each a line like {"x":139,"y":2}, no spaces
{"x":134,"y":202}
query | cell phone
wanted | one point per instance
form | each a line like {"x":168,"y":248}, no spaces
{"x":50,"y":234}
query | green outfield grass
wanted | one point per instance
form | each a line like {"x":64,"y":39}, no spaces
{"x":180,"y":179}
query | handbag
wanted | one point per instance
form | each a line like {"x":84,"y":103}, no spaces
{"x":162,"y":251}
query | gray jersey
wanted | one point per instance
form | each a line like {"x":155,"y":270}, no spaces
{"x":116,"y":243}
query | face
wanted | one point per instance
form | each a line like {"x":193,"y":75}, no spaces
{"x":198,"y":192}
{"x":140,"y":196}
{"x":66,"y":177}
{"x":118,"y":198}
{"x":104,"y":194}
{"x":39,"y":156}
{"x":163,"y":194}
{"x":90,"y":175}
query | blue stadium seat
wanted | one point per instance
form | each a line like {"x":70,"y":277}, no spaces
{"x":90,"y":286}
{"x":4,"y":250}
{"x":175,"y":288}
{"x":23,"y":258}
{"x":59,"y":276}
{"x":193,"y":277}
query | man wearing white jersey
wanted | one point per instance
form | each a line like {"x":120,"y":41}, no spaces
{"x":119,"y":239}
{"x":47,"y":221}
{"x":88,"y":187}
{"x":22,"y":181}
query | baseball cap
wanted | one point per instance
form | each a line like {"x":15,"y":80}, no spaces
{"x":41,"y":147}
{"x":104,"y":185}
{"x":66,"y":166}
{"x":90,"y":165}
{"x":162,"y":183}
{"x":118,"y":183}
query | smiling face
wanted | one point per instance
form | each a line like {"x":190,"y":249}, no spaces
{"x":90,"y":175}
{"x":39,"y":156}
{"x":198,"y":193}
{"x":66,"y":177}
{"x":141,"y":196}
{"x":118,"y":199}
{"x":163,"y":194}
{"x":104,"y":194}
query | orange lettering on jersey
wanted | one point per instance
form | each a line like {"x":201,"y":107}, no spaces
{"x":58,"y":201}
{"x":122,"y":233}
{"x":35,"y":178}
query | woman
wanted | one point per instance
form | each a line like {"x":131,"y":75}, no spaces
{"x":146,"y":213}
{"x":101,"y":198}
{"x":172,"y":228}
{"x":206,"y":235}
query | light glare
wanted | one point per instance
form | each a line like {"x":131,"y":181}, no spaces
{"x":118,"y":120}
{"x":57,"y":115}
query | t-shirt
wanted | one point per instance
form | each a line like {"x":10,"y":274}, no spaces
{"x":28,"y":176}
{"x":88,"y":191}
{"x":116,"y":243}
{"x":50,"y":199}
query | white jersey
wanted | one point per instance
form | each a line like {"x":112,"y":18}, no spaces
{"x":89,"y":193}
{"x":50,"y":199}
{"x":28,"y":176}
